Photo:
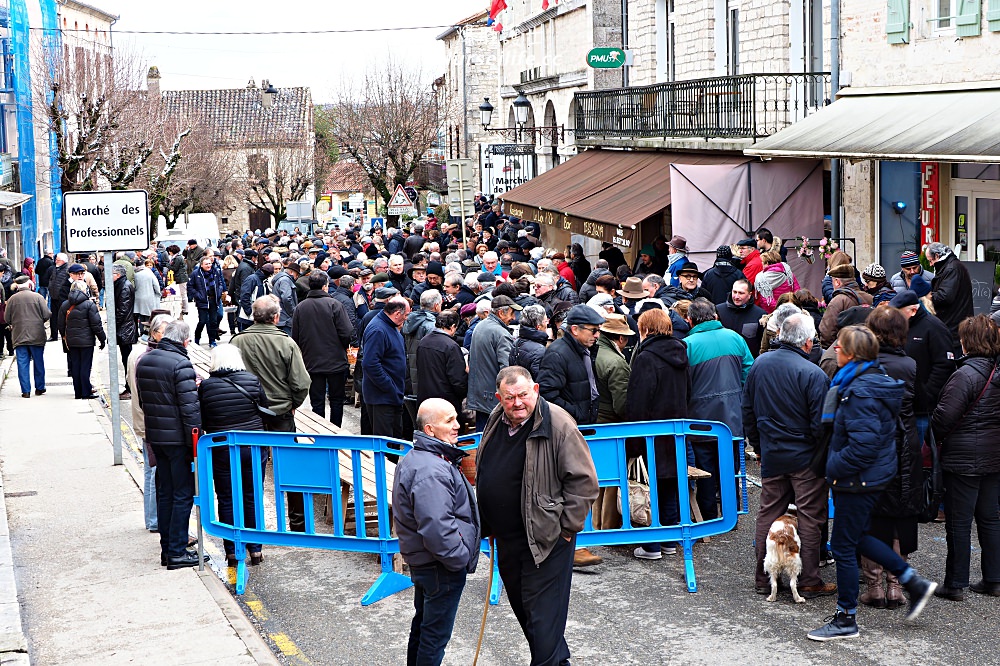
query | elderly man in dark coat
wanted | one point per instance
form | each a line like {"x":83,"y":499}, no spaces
{"x":567,"y":374}
{"x":951,"y":290}
{"x":169,"y":398}
{"x":441,"y":364}
{"x":323,"y":331}
{"x":782,"y":409}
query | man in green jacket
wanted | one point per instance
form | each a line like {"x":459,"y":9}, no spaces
{"x":612,"y":369}
{"x":274,"y":357}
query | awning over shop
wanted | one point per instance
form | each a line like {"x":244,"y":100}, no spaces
{"x":603,"y":194}
{"x":929,"y":124}
{"x":12,"y":199}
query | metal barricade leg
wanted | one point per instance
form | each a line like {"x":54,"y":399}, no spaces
{"x":387,"y":584}
{"x":497,"y":587}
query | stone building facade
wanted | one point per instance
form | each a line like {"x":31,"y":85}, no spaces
{"x":909,"y":43}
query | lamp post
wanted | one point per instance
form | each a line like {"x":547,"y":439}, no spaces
{"x":521,"y":106}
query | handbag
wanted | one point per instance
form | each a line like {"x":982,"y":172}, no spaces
{"x":933,"y":486}
{"x":263,"y":410}
{"x":638,"y":494}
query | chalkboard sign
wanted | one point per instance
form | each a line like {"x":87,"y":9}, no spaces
{"x":982,"y":274}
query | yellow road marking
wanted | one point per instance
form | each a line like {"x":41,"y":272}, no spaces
{"x":288,"y":648}
{"x":256,"y":607}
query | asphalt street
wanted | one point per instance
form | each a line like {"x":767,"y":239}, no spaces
{"x":306,"y":604}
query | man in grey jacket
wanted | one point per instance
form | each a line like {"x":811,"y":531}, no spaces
{"x":489,"y":353}
{"x":437,"y":522}
{"x":283,"y":286}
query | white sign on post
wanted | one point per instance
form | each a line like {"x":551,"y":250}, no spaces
{"x":107,"y":221}
{"x":400,"y":203}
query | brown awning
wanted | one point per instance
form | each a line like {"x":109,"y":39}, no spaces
{"x":604,"y":194}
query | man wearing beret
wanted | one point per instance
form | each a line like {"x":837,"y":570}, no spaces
{"x":379,"y":298}
{"x":846,"y":294}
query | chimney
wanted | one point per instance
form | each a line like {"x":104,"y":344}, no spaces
{"x":153,"y":82}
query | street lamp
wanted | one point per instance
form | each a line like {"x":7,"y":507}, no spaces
{"x":521,"y":107}
{"x":486,"y":112}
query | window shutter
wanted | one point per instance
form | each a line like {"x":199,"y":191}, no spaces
{"x":897,"y":22}
{"x":967,"y":24}
{"x":993,"y":15}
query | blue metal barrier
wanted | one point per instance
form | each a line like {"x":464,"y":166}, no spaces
{"x":311,"y":464}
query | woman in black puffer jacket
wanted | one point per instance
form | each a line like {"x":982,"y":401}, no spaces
{"x":894,"y":518}
{"x":532,"y":338}
{"x":80,"y":325}
{"x":966,"y":423}
{"x":225,"y":407}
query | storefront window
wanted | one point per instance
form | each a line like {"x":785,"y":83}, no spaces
{"x":976,"y":171}
{"x":899,"y":211}
{"x":988,"y":228}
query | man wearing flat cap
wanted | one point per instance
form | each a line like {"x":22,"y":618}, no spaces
{"x":750,"y":256}
{"x":489,"y":353}
{"x":567,"y":374}
{"x":846,"y":294}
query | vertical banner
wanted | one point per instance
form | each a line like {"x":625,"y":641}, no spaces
{"x":930,"y":203}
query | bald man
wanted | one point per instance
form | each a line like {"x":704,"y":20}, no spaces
{"x":437,"y":523}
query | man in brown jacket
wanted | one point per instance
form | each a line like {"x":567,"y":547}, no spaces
{"x":27,"y":313}
{"x":535,"y":484}
{"x":846,"y":294}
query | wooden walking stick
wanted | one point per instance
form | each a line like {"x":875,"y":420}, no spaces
{"x":486,"y":606}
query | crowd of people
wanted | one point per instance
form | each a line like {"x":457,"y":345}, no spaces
{"x":484,"y":329}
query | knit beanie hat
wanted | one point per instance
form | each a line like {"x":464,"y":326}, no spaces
{"x":873,"y":273}
{"x":724,"y":252}
{"x":909,"y":258}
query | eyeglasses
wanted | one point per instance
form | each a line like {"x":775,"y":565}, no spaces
{"x":593,"y":329}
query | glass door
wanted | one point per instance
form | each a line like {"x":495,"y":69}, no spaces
{"x":987,"y":228}
{"x":976,"y":224}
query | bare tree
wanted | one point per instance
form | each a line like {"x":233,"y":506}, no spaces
{"x":276,"y":175}
{"x":326,"y":152}
{"x":94,"y":105}
{"x":386,"y":123}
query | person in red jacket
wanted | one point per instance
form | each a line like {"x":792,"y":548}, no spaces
{"x":750,"y":256}
{"x":565,"y":270}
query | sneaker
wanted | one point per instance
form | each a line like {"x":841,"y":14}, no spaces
{"x":919,"y":590}
{"x":644,"y":554}
{"x":826,"y":560}
{"x":668,"y":550}
{"x":840,"y":625}
{"x":213,"y":345}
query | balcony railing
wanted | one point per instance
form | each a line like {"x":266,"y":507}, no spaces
{"x":745,"y":106}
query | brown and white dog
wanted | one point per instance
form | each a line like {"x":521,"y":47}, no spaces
{"x":782,"y":557}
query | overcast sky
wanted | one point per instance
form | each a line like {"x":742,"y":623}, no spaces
{"x":317,"y":61}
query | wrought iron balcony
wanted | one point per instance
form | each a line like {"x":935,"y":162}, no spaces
{"x":745,"y":106}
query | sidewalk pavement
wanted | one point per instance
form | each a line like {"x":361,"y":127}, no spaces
{"x":89,"y":584}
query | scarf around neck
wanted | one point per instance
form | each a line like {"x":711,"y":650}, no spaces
{"x":768,"y":280}
{"x":848,"y":373}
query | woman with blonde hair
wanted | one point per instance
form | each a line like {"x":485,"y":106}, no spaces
{"x":775,"y":280}
{"x":658,"y":388}
{"x":861,"y":463}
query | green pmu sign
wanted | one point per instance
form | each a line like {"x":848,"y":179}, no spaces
{"x":606,"y":58}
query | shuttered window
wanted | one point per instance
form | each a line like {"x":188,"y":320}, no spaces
{"x":897,"y":23}
{"x":967,"y":22}
{"x":993,"y":15}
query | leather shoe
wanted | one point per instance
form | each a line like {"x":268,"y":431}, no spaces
{"x":193,"y":555}
{"x":256,"y":558}
{"x":989,"y":589}
{"x":813,"y":591}
{"x":585,"y":558}
{"x":39,"y":391}
{"x":950,"y":593}
{"x":25,"y":395}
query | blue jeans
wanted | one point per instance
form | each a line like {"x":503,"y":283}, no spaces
{"x":923,"y":423}
{"x":44,"y":292}
{"x":26,"y":355}
{"x":148,"y":489}
{"x":848,"y":538}
{"x":436,"y":593}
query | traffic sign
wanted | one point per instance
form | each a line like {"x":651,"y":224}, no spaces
{"x":606,"y":58}
{"x":106,"y":221}
{"x":411,"y":194}
{"x":400,"y":203}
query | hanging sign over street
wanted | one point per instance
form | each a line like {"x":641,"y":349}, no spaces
{"x":106,"y":221}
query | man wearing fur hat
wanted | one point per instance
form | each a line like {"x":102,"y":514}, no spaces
{"x":846,"y":294}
